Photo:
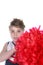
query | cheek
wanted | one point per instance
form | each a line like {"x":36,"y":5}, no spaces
{"x":20,"y":34}
{"x":12,"y":34}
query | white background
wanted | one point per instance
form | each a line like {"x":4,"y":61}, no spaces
{"x":30,"y":11}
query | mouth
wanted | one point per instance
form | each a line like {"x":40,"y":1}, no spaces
{"x":15,"y":38}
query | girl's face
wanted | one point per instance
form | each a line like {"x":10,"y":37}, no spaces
{"x":15,"y":32}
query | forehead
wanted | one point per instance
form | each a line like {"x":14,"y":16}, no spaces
{"x":14,"y":28}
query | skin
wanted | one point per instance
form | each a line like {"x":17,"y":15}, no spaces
{"x":15,"y":33}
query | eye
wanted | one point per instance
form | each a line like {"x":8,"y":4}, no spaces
{"x":12,"y":31}
{"x":19,"y":31}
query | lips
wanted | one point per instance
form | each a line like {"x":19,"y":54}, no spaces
{"x":15,"y":38}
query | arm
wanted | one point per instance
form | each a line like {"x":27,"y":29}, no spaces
{"x":4,"y":55}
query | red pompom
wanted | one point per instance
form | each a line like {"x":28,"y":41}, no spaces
{"x":30,"y":48}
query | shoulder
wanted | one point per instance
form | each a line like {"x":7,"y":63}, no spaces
{"x":9,"y":42}
{"x":6,"y":44}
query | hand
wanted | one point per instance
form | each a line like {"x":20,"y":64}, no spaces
{"x":14,"y":49}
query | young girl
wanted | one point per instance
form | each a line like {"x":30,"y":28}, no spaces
{"x":16,"y":29}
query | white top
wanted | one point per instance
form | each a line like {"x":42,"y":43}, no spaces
{"x":9,"y":47}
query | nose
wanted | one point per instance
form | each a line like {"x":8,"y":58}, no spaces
{"x":15,"y":34}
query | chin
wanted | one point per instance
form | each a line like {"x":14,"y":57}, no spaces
{"x":15,"y":40}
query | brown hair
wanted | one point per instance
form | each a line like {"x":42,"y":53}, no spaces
{"x":18,"y":23}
